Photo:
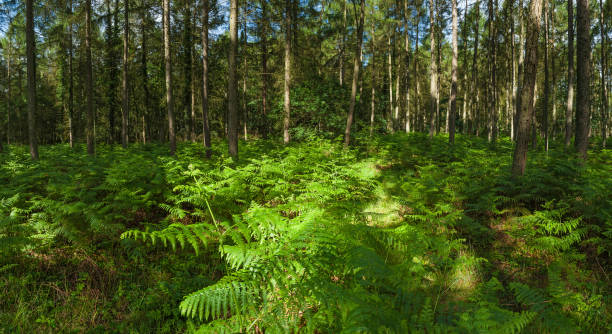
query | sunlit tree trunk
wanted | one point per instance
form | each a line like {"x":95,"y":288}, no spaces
{"x":372,"y":65}
{"x":525,"y":113}
{"x":342,"y":45}
{"x":433,"y":83}
{"x":145,"y":76}
{"x":390,"y":75}
{"x":453,"y":96}
{"x":232,"y":87}
{"x":356,"y":67}
{"x":287,"y":87}
{"x":245,"y":69}
{"x":521,"y":60}
{"x":583,"y":78}
{"x":407,"y":123}
{"x":168,"y":65}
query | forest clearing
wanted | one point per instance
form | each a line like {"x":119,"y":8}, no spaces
{"x":305,"y":166}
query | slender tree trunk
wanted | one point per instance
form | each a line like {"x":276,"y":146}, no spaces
{"x":604,"y":68}
{"x":287,"y":88}
{"x":513,"y":109}
{"x":525,"y":113}
{"x":356,"y":67}
{"x":232,"y":87}
{"x":205,"y":125}
{"x":372,"y":65}
{"x":168,"y":64}
{"x":416,"y":71}
{"x":264,"y":67}
{"x":453,"y":96}
{"x":407,"y":72}
{"x":583,"y":79}
{"x":9,"y":106}
{"x":569,"y":112}
{"x":193,"y":134}
{"x":70,"y":78}
{"x":188,"y":69}
{"x":245,"y":111}
{"x":553,"y":54}
{"x":465,"y":84}
{"x":145,"y":76}
{"x":390,"y":74}
{"x":433,"y":88}
{"x":520,"y":73}
{"x":473,"y":87}
{"x":91,"y":143}
{"x":126,"y":96}
{"x":492,"y":66}
{"x":342,"y":45}
{"x":31,"y":60}
{"x":546,"y":75}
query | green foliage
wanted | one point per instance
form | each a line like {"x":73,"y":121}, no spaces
{"x":397,"y":235}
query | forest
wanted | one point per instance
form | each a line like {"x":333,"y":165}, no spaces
{"x":305,"y":166}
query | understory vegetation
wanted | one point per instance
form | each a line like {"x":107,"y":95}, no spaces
{"x":397,"y":234}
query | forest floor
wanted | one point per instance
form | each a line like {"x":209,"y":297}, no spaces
{"x":398,"y":234}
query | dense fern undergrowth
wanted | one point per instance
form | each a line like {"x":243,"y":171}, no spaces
{"x":399,"y":234}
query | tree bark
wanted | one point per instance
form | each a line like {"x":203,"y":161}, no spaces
{"x":145,"y":76}
{"x":205,"y":125}
{"x":473,"y":87}
{"x":525,"y":113}
{"x":520,"y":72}
{"x":546,"y":75}
{"x":583,"y":79}
{"x":287,"y":87}
{"x":91,"y":143}
{"x":433,"y":88}
{"x":126,"y":95}
{"x":569,"y":112}
{"x":168,"y":65}
{"x":453,"y":96}
{"x":356,"y":67}
{"x":604,"y":68}
{"x":188,"y":70}
{"x":342,"y":45}
{"x":31,"y":60}
{"x":232,"y":87}
{"x":407,"y":72}
{"x":264,"y":67}
{"x":390,"y":74}
{"x":372,"y":65}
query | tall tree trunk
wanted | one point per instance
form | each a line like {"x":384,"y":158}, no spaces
{"x":453,"y":96}
{"x":205,"y":125}
{"x":31,"y":59}
{"x":145,"y":76}
{"x":126,"y":95}
{"x":193,"y":134}
{"x":342,"y":45}
{"x":569,"y":112}
{"x":9,"y":106}
{"x":264,"y":67}
{"x":513,"y":109}
{"x":356,"y":67}
{"x":604,"y":69}
{"x":546,"y":75}
{"x":245,"y":73}
{"x":492,"y":133}
{"x":390,"y":74}
{"x":188,"y":70}
{"x":168,"y":65}
{"x":465,"y":84}
{"x":407,"y":72}
{"x":525,"y":113}
{"x":473,"y":86}
{"x":287,"y":88}
{"x":91,"y":144}
{"x":520,"y":72}
{"x":421,"y":126}
{"x":583,"y":79}
{"x":70,"y":78}
{"x":232,"y":87}
{"x":433,"y":83}
{"x":372,"y":65}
